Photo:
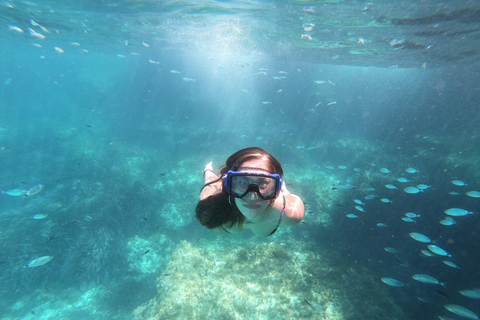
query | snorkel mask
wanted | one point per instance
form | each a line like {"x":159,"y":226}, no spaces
{"x":266,"y":185}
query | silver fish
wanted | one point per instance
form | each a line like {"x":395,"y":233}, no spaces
{"x":39,"y":261}
{"x":34,"y":190}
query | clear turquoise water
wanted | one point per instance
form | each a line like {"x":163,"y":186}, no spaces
{"x":120,"y":141}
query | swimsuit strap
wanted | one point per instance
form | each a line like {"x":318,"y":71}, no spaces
{"x":281,"y":216}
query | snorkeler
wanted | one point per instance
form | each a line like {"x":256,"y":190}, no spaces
{"x":249,"y":194}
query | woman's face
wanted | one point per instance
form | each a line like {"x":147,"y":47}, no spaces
{"x":252,"y":205}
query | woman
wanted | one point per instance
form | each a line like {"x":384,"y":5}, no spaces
{"x":249,"y":194}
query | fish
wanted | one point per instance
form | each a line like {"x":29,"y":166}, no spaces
{"x":393,"y":282}
{"x":454,"y":193}
{"x":457,"y":212}
{"x":411,"y":170}
{"x":385,"y":200}
{"x":35,"y":34}
{"x":390,"y":249}
{"x":390,"y":186}
{"x":403,"y":180}
{"x":266,"y":102}
{"x":474,"y":294}
{"x":174,"y":71}
{"x":342,"y":167}
{"x":473,"y":194}
{"x":422,"y":186}
{"x":461,"y":311}
{"x":14,"y":28}
{"x":39,"y":216}
{"x":448,"y":221}
{"x":188,"y":80}
{"x":384,"y":170}
{"x":352,"y":216}
{"x":425,"y":278}
{"x":370,"y":197}
{"x":147,"y":251}
{"x":412,"y":215}
{"x":381,"y":225}
{"x":39,"y":261}
{"x":426,"y":253}
{"x":420,"y":237}
{"x":450,"y":264}
{"x":407,"y":219}
{"x":437,"y":250}
{"x":357,"y":170}
{"x":459,"y":183}
{"x":15,"y":192}
{"x":359,"y":208}
{"x":34,"y":190}
{"x":320,"y":81}
{"x":358,"y":201}
{"x":411,"y":190}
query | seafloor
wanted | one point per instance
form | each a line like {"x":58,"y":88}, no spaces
{"x":277,"y":280}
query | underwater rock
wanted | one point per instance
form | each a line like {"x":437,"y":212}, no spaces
{"x":274,"y":280}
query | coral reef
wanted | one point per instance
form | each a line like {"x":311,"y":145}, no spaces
{"x":266,"y":281}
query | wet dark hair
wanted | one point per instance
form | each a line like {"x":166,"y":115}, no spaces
{"x":219,"y":209}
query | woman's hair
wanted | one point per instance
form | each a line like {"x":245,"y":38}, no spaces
{"x":220,"y":208}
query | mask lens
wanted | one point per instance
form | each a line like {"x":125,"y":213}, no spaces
{"x":264,"y":185}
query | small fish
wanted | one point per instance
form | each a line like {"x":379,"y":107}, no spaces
{"x":474,"y":294}
{"x":450,"y":264}
{"x":473,"y":194}
{"x":393,"y":282}
{"x":425,"y":278}
{"x":390,"y":186}
{"x":412,"y":215}
{"x":390,"y":249}
{"x":461,"y":311}
{"x":411,"y":190}
{"x":14,"y":28}
{"x":370,"y":197}
{"x":448,"y":221}
{"x":385,"y":200}
{"x":454,"y":193}
{"x":423,"y":186}
{"x":266,"y":102}
{"x":330,"y":103}
{"x":308,"y":303}
{"x":411,"y":170}
{"x":34,"y":190}
{"x":384,"y":170}
{"x":459,"y":183}
{"x":342,"y":167}
{"x":35,"y":34}
{"x":89,"y":126}
{"x":320,"y":82}
{"x":39,"y":216}
{"x":146,"y":251}
{"x":403,"y":180}
{"x":420,"y":237}
{"x":174,"y":71}
{"x":352,"y":216}
{"x":457,"y":212}
{"x":357,"y":169}
{"x":146,"y":45}
{"x":407,"y":219}
{"x":39,"y":261}
{"x":359,"y":208}
{"x":188,"y":80}
{"x":358,"y":201}
{"x":426,"y":253}
{"x":15,"y":192}
{"x":438,"y":250}
{"x":381,"y":225}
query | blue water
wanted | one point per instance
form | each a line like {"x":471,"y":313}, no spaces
{"x":120,"y":141}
